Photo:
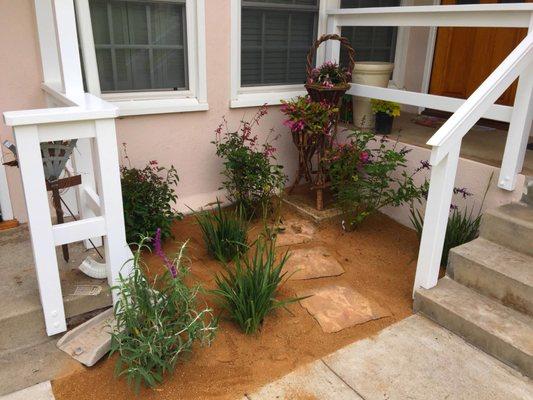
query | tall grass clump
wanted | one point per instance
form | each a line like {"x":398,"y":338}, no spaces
{"x":157,"y":321}
{"x":248,"y":290}
{"x":462,"y":227}
{"x":224,"y":232}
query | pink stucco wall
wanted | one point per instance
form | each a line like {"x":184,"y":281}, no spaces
{"x":181,"y":139}
{"x":20,"y":77}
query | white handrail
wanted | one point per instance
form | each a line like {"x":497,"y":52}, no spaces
{"x":446,"y":147}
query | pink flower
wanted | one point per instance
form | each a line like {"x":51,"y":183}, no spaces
{"x":364,"y":157}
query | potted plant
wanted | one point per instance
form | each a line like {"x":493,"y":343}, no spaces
{"x":329,"y":81}
{"x":385,"y":111}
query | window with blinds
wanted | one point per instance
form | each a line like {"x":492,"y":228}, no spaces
{"x":140,"y":45}
{"x":370,"y":43}
{"x":275,"y":38}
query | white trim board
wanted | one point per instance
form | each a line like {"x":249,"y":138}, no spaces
{"x":5,"y":199}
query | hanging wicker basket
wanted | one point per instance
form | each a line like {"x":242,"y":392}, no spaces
{"x":316,"y":91}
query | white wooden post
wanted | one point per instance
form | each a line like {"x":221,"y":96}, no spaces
{"x":436,"y":219}
{"x":83,"y":164}
{"x":118,"y":254}
{"x":39,"y":220}
{"x":518,"y":134}
{"x":5,"y":200}
{"x":333,"y":47}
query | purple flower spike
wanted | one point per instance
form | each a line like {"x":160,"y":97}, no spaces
{"x":158,"y":249}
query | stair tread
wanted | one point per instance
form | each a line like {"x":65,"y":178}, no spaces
{"x":521,"y":213}
{"x":507,"y":324}
{"x":513,"y":264}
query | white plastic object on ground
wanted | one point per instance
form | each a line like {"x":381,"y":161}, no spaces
{"x":93,"y":268}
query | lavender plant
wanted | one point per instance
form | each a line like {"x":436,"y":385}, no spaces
{"x":157,"y":322}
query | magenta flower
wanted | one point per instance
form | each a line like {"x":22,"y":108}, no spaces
{"x":158,"y":249}
{"x":364,"y":157}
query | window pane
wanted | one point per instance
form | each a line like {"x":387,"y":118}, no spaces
{"x":275,"y":38}
{"x":370,"y":43}
{"x":140,"y":45}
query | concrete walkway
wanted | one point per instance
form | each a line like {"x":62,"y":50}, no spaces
{"x":413,"y":359}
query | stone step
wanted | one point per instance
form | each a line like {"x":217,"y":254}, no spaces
{"x":21,"y":316}
{"x":495,"y":271}
{"x":27,"y":366}
{"x":510,"y":225}
{"x":498,"y":330}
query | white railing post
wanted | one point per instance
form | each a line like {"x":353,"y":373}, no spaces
{"x":82,"y":158}
{"x":118,"y":254}
{"x":39,"y":220}
{"x":519,"y":129}
{"x":5,"y":200}
{"x":436,"y":219}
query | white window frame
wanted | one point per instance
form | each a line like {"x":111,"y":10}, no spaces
{"x":252,"y":96}
{"x":152,"y":102}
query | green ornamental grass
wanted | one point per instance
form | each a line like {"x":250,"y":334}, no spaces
{"x":156,"y":322}
{"x":247,"y":291}
{"x":224,"y":232}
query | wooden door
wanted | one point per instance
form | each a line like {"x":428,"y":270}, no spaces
{"x":465,"y":57}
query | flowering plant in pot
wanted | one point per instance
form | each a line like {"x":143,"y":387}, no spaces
{"x":385,"y":112}
{"x":329,"y":81}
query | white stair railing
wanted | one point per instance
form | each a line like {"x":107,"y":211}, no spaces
{"x":446,"y":144}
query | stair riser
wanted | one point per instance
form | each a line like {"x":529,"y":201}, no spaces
{"x":475,"y":335}
{"x":506,"y":232}
{"x":486,"y":281}
{"x":28,"y":328}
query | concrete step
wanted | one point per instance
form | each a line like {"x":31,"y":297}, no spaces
{"x":28,"y":366}
{"x":498,"y":330}
{"x":21,"y":317}
{"x":495,"y":271}
{"x":510,"y":225}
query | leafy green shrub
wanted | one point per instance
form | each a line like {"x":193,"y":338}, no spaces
{"x":224,"y":232}
{"x":366,"y":178}
{"x":251,"y":177}
{"x":248,"y":290}
{"x":305,"y":115}
{"x":148,"y":195}
{"x":156,"y":324}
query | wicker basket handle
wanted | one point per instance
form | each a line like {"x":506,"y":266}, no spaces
{"x":324,"y":38}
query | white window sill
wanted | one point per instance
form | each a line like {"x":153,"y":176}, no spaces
{"x":270,"y":95}
{"x":158,"y":106}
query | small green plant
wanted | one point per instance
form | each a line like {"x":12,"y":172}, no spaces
{"x":224,"y":232}
{"x":247,"y":291}
{"x":252,"y":178}
{"x":147,"y":196}
{"x":462,"y":226}
{"x":156,"y":322}
{"x":368,"y":174}
{"x":388,"y":107}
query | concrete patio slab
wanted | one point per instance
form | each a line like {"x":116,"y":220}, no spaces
{"x":41,"y":391}
{"x":316,"y":262}
{"x":418,"y":359}
{"x":313,"y":381}
{"x":338,"y":307}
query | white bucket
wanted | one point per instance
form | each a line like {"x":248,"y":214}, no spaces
{"x":372,"y":73}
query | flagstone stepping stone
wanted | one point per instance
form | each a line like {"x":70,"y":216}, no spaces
{"x":339,"y":307}
{"x":295,"y":231}
{"x":316,"y":262}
